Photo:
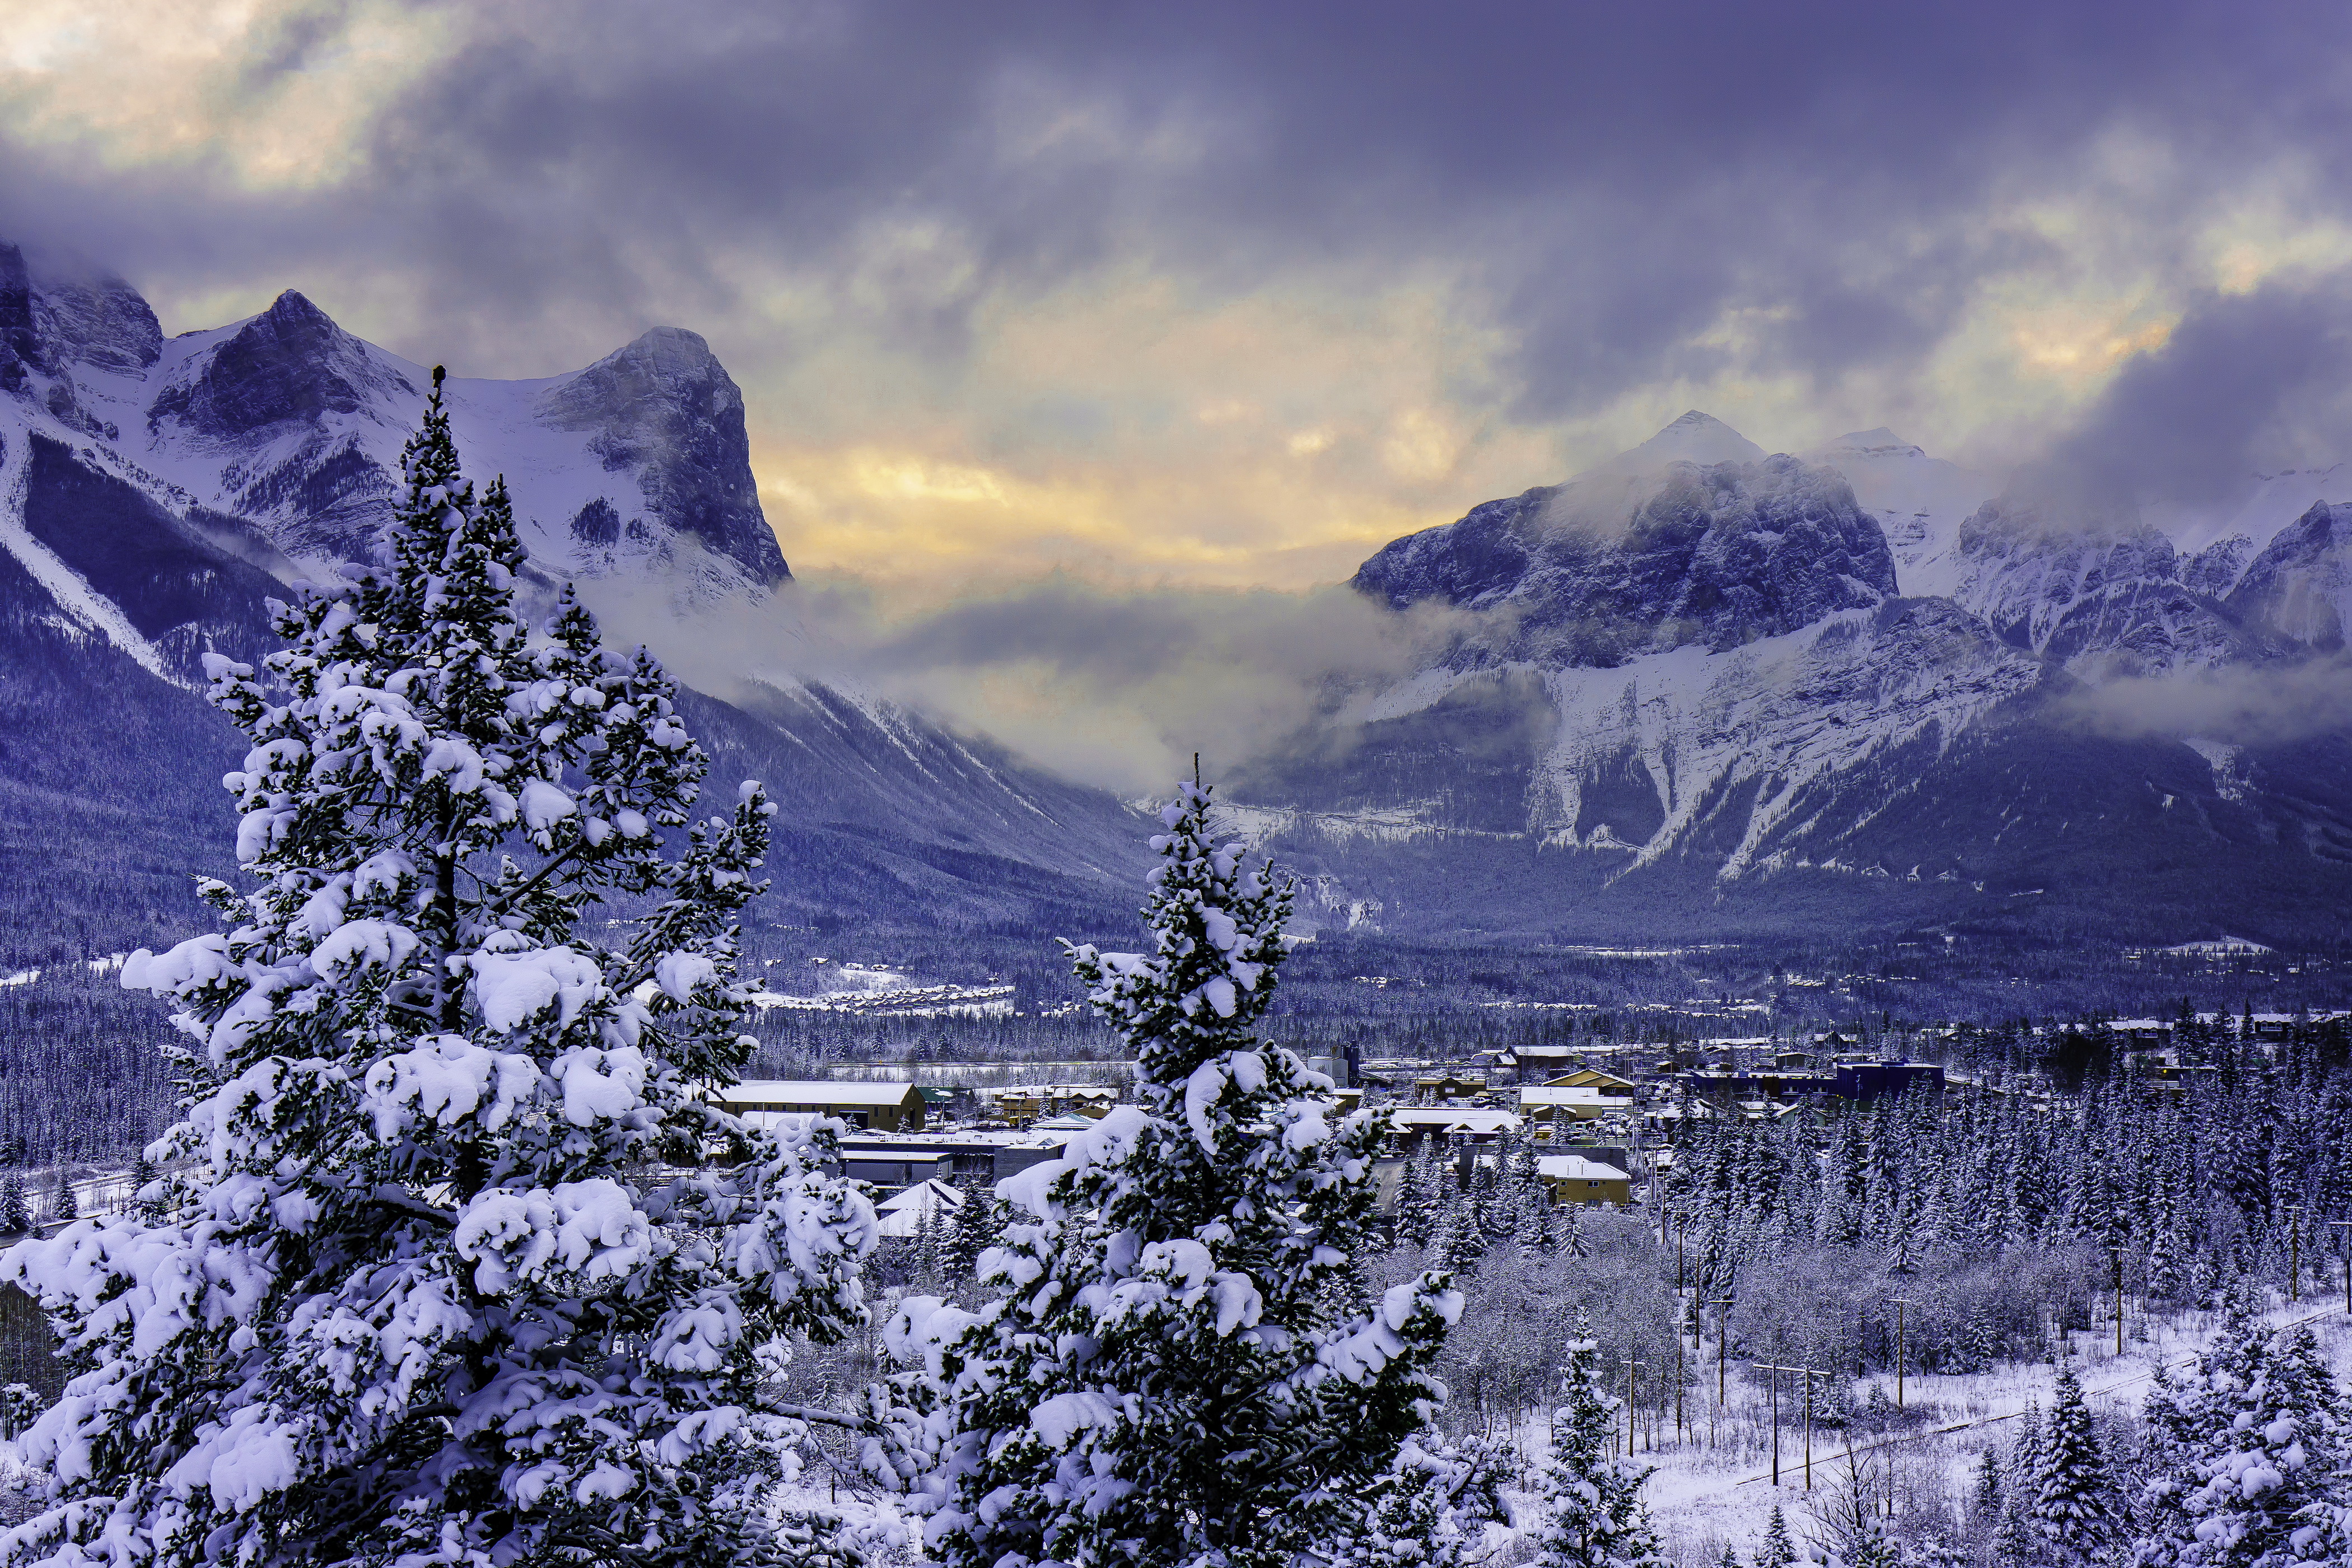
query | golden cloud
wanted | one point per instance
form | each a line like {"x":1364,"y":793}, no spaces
{"x":279,"y":93}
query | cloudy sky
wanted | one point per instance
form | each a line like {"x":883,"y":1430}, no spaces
{"x":1177,"y":296}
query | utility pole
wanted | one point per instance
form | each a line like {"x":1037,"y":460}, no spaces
{"x":2345,"y":1225}
{"x":1775,"y":1371}
{"x":1722,"y":1339}
{"x":1900,"y":1302}
{"x":1630,"y":1364}
{"x":1809,"y":1428}
{"x":2116,"y":1253}
{"x":1678,"y":1388}
{"x":1682,"y":1233}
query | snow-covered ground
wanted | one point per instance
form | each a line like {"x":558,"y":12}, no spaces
{"x":1714,"y":1488}
{"x":1711,"y":1489}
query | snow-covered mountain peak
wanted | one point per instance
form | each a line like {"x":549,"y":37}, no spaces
{"x":291,"y":365}
{"x":1695,"y":438}
{"x":2299,"y":586}
{"x":289,"y":425}
{"x":666,"y":407}
{"x":662,"y":360}
{"x":1879,"y":442}
{"x":1921,"y":502}
{"x":59,"y":311}
{"x":1716,"y":556}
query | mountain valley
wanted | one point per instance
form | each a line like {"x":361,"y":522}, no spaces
{"x":1703,"y":693}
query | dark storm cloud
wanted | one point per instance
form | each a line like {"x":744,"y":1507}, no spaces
{"x":1622,"y":173}
{"x":2245,"y":382}
{"x":1616,"y":177}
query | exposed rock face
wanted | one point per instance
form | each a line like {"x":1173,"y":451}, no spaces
{"x":2102,"y":599}
{"x":1717,"y":557}
{"x":20,"y":337}
{"x":1744,"y":748}
{"x":290,"y":363}
{"x":2301,"y":586}
{"x":57,"y":316}
{"x":2215,"y":570}
{"x":666,"y":407}
{"x":91,"y":317}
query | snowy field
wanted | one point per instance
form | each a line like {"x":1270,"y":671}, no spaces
{"x":1716,"y":1486}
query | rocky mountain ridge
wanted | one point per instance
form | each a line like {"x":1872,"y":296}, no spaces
{"x":1857,"y":680}
{"x":155,"y":492}
{"x":1702,"y":691}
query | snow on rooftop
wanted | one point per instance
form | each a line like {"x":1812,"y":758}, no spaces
{"x":902,"y":1216}
{"x":1576,"y":1168}
{"x":1452,"y":1117}
{"x":1580,"y":1094}
{"x":810,"y":1091}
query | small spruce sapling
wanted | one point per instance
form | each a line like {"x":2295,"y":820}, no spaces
{"x":1432,"y":1508}
{"x":1594,"y":1513}
{"x":975,"y":1232}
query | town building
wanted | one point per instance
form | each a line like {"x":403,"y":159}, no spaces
{"x":1577,"y":1179}
{"x":882,"y":1107}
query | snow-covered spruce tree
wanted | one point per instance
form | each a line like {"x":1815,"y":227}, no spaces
{"x":2016,"y":1540}
{"x":1777,"y":1550}
{"x":465,"y":1269}
{"x":1594,"y":1513}
{"x":1175,"y":1375}
{"x":2247,"y":1456}
{"x":1432,"y":1508}
{"x":973,"y":1232}
{"x":1985,"y":1492}
{"x":2073,"y":1492}
{"x":1873,"y":1548}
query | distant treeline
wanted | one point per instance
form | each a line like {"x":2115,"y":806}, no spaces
{"x":83,"y":1078}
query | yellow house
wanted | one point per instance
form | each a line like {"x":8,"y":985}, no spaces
{"x":1019,"y":1106}
{"x":1573,"y":1179}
